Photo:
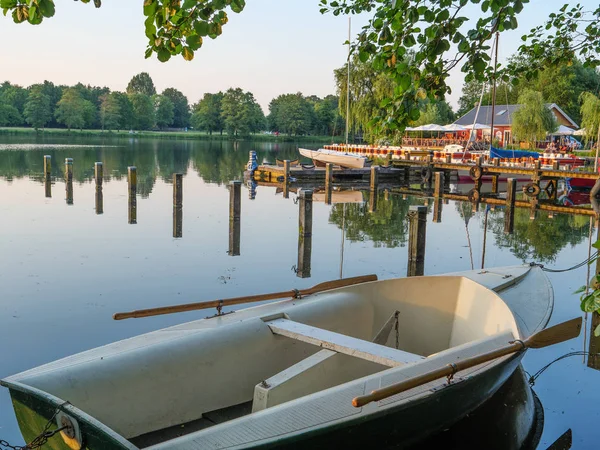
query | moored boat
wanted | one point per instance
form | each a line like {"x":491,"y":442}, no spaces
{"x":286,"y":373}
{"x":343,"y":159}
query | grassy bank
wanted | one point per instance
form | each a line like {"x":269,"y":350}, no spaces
{"x":15,"y":131}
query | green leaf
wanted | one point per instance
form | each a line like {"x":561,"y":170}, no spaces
{"x":188,"y":53}
{"x":479,"y":65}
{"x":8,"y":4}
{"x":163,"y":54}
{"x":597,"y":331}
{"x":237,"y":6}
{"x":201,"y":28}
{"x":46,"y":7}
{"x":150,"y":7}
{"x":194,"y":41}
{"x":148,"y":53}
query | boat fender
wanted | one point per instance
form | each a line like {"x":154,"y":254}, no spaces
{"x":71,"y":435}
{"x":474,"y":196}
{"x":426,"y":173}
{"x":475,"y":173}
{"x":531,"y":190}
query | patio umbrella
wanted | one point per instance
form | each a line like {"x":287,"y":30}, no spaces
{"x":563,"y":131}
{"x":454,"y":127}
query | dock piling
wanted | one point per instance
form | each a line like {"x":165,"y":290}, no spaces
{"x":439,"y":184}
{"x":48,"y":187}
{"x":132,"y":191}
{"x":374,"y":184}
{"x":304,"y":233}
{"x":47,"y":166}
{"x":98,"y":173}
{"x":68,"y":169}
{"x":417,"y":216}
{"x":509,"y":215}
{"x":328,"y":182}
{"x":177,"y":205}
{"x":235,"y":212}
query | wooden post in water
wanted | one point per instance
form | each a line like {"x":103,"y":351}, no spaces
{"x":438,"y":193}
{"x":47,"y":166}
{"x":438,"y":190}
{"x":448,"y":159}
{"x":407,"y":167}
{"x":48,"y":187}
{"x":509,"y":212}
{"x":177,"y":205}
{"x":48,"y":175}
{"x":69,"y":180}
{"x":417,"y":217}
{"x":132,"y":191}
{"x":98,"y":173}
{"x":556,"y":165}
{"x":304,"y":233}
{"x":328,"y":182}
{"x":68,"y":169}
{"x":235,"y":212}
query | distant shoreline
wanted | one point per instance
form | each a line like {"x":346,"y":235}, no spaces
{"x":197,"y":135}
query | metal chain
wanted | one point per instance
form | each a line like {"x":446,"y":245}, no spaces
{"x":397,"y":331}
{"x":40,"y":440}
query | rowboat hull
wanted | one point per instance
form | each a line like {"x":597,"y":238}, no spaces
{"x":322,"y":157}
{"x":118,"y":375}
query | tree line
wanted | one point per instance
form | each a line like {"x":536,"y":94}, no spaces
{"x":140,"y":107}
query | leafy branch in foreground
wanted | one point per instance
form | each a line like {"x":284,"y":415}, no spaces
{"x":590,"y":301}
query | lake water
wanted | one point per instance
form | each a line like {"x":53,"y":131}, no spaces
{"x":64,"y":270}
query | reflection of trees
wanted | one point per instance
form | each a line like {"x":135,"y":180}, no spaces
{"x":386,"y":227}
{"x":215,"y":161}
{"x":540,"y":239}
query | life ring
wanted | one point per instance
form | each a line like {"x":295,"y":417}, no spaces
{"x":531,"y":190}
{"x":426,"y":174}
{"x":474,"y":196}
{"x":475,"y":172}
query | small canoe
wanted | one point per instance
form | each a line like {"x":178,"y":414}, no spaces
{"x":347,"y":160}
{"x":284,"y":374}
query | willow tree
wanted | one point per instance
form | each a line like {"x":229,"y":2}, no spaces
{"x":590,"y":115}
{"x":367,"y":90}
{"x":533,"y":120}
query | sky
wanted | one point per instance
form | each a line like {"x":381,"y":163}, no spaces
{"x":273,"y":47}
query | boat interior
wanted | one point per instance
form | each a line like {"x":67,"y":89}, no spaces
{"x":196,"y":376}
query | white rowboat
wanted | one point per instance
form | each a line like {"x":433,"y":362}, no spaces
{"x":284,"y":374}
{"x":347,"y":160}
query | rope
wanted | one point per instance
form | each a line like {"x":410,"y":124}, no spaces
{"x":535,"y":376}
{"x":576,"y":266}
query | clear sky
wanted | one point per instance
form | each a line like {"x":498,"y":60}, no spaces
{"x":272,"y":47}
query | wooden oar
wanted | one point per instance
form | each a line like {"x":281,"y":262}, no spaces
{"x":553,"y":335}
{"x":325,"y":286}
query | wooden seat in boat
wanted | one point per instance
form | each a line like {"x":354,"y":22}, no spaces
{"x":326,"y":368}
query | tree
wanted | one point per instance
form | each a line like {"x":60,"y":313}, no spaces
{"x":533,"y":120}
{"x":72,"y":109}
{"x":143,"y":111}
{"x":13,"y":95}
{"x":181,"y":117}
{"x":291,"y":114}
{"x":126,"y":112}
{"x":9,"y":116}
{"x":54,"y":94}
{"x":141,"y":84}
{"x":37,"y":110}
{"x":110,"y":111}
{"x":240,"y":113}
{"x":590,"y":115}
{"x":207,"y":113}
{"x":164,"y":111}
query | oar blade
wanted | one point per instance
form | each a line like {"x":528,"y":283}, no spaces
{"x":334,"y":284}
{"x":556,"y":334}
